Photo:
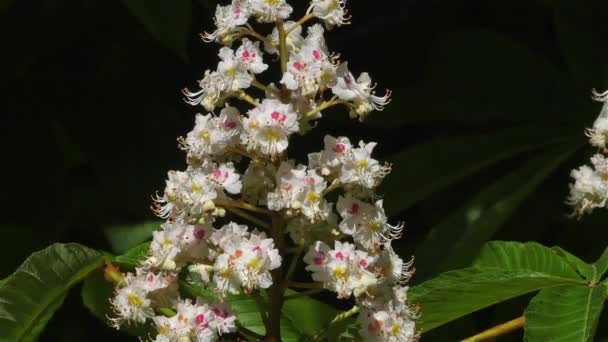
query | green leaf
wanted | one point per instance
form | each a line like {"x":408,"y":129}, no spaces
{"x":168,"y":21}
{"x":601,"y":265}
{"x":581,"y":267}
{"x":311,"y":315}
{"x":95,"y":294}
{"x":127,"y":236}
{"x":486,"y":75}
{"x":246,"y":310}
{"x":134,"y":255}
{"x":455,"y":242}
{"x":504,"y":270}
{"x":413,"y":184}
{"x":525,"y":257}
{"x":33,"y":293}
{"x":564,"y":314}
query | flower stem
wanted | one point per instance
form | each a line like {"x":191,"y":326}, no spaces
{"x":498,"y":330}
{"x":276,"y":291}
{"x":300,"y":285}
{"x":247,"y":98}
{"x":303,"y":294}
{"x":263,"y":87}
{"x":242,"y":205}
{"x":248,"y":216}
{"x":321,"y":107}
{"x":299,"y":23}
{"x":339,"y":318}
{"x":168,"y":312}
{"x":282,"y":45}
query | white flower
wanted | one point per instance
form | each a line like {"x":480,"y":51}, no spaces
{"x":234,"y":73}
{"x":246,"y":263}
{"x":250,"y":57}
{"x":598,"y":134}
{"x":226,"y":176}
{"x":367,"y":223}
{"x":230,"y":234}
{"x":294,"y":39}
{"x":212,"y":135}
{"x":387,"y":326}
{"x":589,"y":191}
{"x":360,"y":168}
{"x":195,"y":322}
{"x":309,"y":199}
{"x":212,"y":86}
{"x":267,"y":11}
{"x":360,"y":92}
{"x":268,"y":127}
{"x":135,"y":299}
{"x":343,"y":270}
{"x":227,"y":18}
{"x":332,"y":12}
{"x":329,"y":161}
{"x":311,"y":67}
{"x":176,"y":244}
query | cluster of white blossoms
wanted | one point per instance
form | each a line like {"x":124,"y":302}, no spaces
{"x":238,"y":168}
{"x":590,"y":187}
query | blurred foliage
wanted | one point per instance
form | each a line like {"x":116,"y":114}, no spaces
{"x":490,"y":105}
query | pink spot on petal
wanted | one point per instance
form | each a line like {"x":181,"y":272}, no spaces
{"x":275,"y":115}
{"x":257,"y":249}
{"x":220,"y":313}
{"x":298,"y":66}
{"x":319,"y":260}
{"x":246,"y":54}
{"x":230,"y":124}
{"x":340,"y":255}
{"x":310,"y":181}
{"x":354,"y":209}
{"x":340,"y":148}
{"x":200,"y":319}
{"x":150,"y":278}
{"x":316,"y":54}
{"x":363,"y":263}
{"x":217,"y":173}
{"x":199,"y":234}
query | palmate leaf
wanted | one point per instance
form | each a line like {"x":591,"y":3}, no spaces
{"x":564,"y":314}
{"x":461,"y":156}
{"x":601,"y":265}
{"x":455,"y":242}
{"x":30,"y":296}
{"x":123,"y":237}
{"x":503,"y":270}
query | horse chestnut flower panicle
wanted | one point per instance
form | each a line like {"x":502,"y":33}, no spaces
{"x":325,"y":209}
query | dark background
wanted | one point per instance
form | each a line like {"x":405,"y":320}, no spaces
{"x":490,"y":104}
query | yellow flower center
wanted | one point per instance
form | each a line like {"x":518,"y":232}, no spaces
{"x":313,"y":197}
{"x":396,"y":329}
{"x":254,"y":264}
{"x":231,"y":71}
{"x":167,"y":242}
{"x":374,"y":226}
{"x":226,"y":272}
{"x":272,"y":2}
{"x":203,"y":134}
{"x":135,"y":300}
{"x":272,"y":135}
{"x":340,"y":272}
{"x":332,"y":5}
{"x":163,"y":329}
{"x":362,"y":164}
{"x":196,"y":187}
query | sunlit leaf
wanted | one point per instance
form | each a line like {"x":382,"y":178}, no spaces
{"x":31,"y":295}
{"x":564,"y":314}
{"x":504,"y":270}
{"x":455,"y":242}
{"x":127,"y":236}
